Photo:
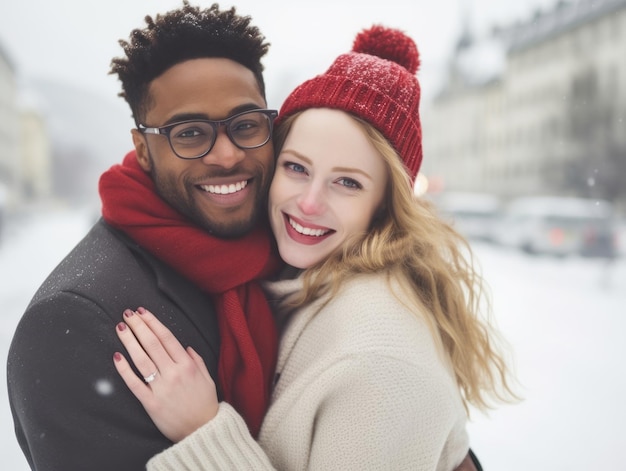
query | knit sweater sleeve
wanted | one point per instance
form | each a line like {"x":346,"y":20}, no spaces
{"x":224,"y":443}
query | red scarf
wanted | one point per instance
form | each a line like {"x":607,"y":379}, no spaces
{"x":227,"y":269}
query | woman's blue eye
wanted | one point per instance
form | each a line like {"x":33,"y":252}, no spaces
{"x":294,"y":167}
{"x":350,"y":183}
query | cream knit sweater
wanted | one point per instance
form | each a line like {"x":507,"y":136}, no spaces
{"x":360,"y":386}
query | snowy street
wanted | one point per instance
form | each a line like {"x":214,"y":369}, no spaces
{"x":564,"y":318}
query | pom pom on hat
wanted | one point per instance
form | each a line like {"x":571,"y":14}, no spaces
{"x":390,"y":44}
{"x":376,"y":81}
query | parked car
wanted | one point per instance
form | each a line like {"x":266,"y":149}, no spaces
{"x":3,"y":202}
{"x":471,"y":214}
{"x":559,"y":226}
{"x":620,"y":239}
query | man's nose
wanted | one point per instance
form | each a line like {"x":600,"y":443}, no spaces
{"x":224,"y":152}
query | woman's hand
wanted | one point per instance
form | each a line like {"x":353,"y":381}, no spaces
{"x":176,"y":390}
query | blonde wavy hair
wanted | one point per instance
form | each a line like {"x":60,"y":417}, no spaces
{"x":408,"y":240}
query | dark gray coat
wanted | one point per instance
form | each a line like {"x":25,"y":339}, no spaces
{"x":71,"y":409}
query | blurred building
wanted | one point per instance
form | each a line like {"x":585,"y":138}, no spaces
{"x":535,"y":107}
{"x":25,"y":150}
{"x":35,"y":152}
{"x":9,"y":127}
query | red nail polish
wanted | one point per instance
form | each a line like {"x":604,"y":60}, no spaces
{"x":117,"y":356}
{"x":141,"y":310}
{"x":121,"y":327}
{"x":128,"y":313}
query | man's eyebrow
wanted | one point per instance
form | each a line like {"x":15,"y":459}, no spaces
{"x":335,"y":169}
{"x":177,"y":118}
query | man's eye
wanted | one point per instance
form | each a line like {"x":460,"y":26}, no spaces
{"x":189,"y":132}
{"x":243,"y":126}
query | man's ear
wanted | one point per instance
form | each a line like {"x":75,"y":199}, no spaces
{"x":141,"y":148}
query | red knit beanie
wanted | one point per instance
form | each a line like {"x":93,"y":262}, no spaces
{"x":376,"y":82}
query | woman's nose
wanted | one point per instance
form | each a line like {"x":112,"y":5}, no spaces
{"x":312,"y":201}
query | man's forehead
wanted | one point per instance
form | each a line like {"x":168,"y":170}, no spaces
{"x":213,"y":88}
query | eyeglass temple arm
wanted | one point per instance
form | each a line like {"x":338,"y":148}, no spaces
{"x":146,"y":130}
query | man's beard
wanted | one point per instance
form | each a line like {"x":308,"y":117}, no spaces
{"x":180,"y":199}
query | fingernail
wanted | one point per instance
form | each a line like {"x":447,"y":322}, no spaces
{"x":117,"y":356}
{"x":141,"y":310}
{"x":121,"y":327}
{"x":128,"y":313}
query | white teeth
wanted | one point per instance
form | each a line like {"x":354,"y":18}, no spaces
{"x":307,"y":230}
{"x":225,"y":189}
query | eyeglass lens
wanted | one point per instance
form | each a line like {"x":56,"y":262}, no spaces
{"x":195,"y":138}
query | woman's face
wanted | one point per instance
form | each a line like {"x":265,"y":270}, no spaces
{"x":328,"y":184}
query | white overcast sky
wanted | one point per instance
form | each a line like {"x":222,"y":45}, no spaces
{"x":74,"y":40}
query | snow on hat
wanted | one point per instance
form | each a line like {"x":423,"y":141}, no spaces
{"x":375,"y":81}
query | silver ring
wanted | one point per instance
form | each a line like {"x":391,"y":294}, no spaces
{"x":151,"y":377}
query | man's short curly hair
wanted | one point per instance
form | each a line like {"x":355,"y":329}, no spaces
{"x":180,"y":35}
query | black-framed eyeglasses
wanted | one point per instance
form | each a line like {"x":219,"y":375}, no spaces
{"x":194,"y":139}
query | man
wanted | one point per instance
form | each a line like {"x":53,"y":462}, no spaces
{"x":182,"y":232}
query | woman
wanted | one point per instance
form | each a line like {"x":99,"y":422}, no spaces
{"x":382,"y":350}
